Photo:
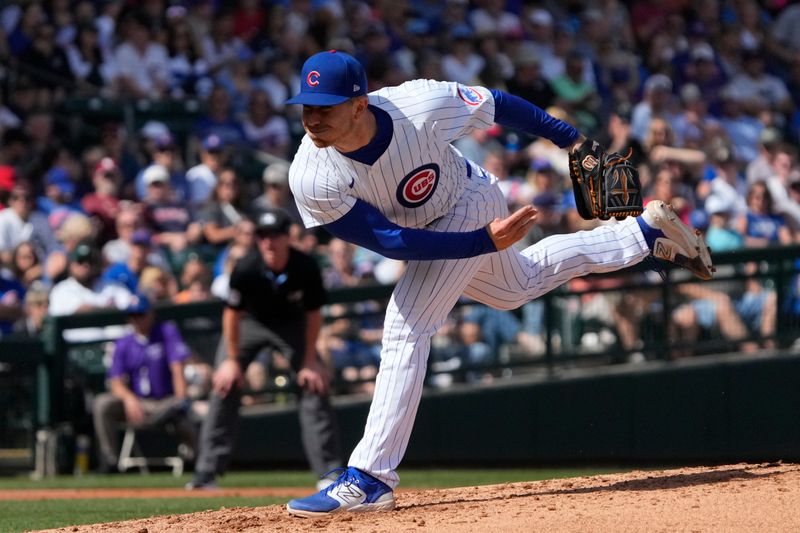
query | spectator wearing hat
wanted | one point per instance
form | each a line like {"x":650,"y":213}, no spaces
{"x":743,"y":130}
{"x":172,"y":222}
{"x":528,"y":81}
{"x":58,"y":200}
{"x":276,"y":293}
{"x":127,"y":224}
{"x":550,"y":218}
{"x":147,"y":385}
{"x":538,"y":23}
{"x":224,"y":210}
{"x":219,"y":119}
{"x":83,"y":290}
{"x":202,"y":178}
{"x":701,"y":67}
{"x":721,"y":236}
{"x":20,"y":222}
{"x":277,"y":194}
{"x":760,"y":168}
{"x":37,"y":300}
{"x":158,"y":146}
{"x":263,"y":128}
{"x":103,"y":203}
{"x":693,"y":125}
{"x":657,"y":95}
{"x":127,"y":273}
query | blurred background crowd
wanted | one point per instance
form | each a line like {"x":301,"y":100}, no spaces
{"x":705,"y":93}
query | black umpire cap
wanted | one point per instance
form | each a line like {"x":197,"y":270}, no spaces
{"x":273,"y":221}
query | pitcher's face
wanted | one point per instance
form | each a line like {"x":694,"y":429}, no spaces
{"x":329,"y":125}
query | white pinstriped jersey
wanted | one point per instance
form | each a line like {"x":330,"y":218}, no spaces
{"x":418,"y":178}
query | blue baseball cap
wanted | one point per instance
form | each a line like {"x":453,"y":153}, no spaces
{"x":139,"y":304}
{"x":330,"y":78}
{"x":60,"y":178}
{"x":213,"y":142}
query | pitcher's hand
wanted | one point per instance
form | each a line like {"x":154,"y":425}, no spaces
{"x":506,"y":231}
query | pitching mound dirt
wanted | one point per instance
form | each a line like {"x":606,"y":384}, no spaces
{"x":733,"y":498}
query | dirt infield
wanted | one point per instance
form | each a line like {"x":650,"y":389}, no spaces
{"x":732,"y":498}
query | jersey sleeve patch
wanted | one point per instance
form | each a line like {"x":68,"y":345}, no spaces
{"x":470,"y":95}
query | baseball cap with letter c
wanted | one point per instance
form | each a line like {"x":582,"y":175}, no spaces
{"x":330,"y":78}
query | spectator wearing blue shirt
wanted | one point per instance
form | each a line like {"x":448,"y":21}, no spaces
{"x":219,"y":120}
{"x":58,"y":201}
{"x":202,"y":178}
{"x":128,"y":273}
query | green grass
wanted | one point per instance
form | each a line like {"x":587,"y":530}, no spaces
{"x":27,"y":515}
{"x":18,"y":516}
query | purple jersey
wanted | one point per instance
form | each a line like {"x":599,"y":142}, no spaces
{"x":145,"y":362}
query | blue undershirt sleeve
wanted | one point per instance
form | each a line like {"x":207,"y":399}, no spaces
{"x":515,"y":112}
{"x":365,"y":226}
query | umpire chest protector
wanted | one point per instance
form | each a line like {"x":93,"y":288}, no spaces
{"x":275,"y":298}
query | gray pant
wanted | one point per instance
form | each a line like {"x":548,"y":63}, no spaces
{"x":108,"y":412}
{"x":319,"y":431}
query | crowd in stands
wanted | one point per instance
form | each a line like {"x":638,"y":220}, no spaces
{"x":705,"y":93}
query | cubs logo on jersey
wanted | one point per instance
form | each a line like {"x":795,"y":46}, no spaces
{"x":418,"y":186}
{"x":470,"y":95}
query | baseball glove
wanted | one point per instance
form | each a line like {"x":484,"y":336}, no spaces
{"x":605,"y":185}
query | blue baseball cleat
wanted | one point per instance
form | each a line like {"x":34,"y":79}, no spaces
{"x":353,"y":491}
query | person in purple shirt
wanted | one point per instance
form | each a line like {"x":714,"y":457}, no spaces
{"x":147,"y":385}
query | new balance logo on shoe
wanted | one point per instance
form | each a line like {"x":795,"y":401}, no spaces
{"x":347,"y":494}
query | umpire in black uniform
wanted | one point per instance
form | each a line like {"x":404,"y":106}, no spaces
{"x":276,"y":293}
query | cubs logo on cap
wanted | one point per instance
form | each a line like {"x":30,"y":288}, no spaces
{"x":330,"y":78}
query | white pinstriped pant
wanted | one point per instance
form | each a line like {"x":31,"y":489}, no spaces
{"x":428,"y":290}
